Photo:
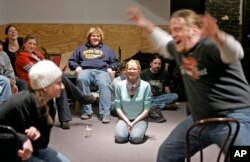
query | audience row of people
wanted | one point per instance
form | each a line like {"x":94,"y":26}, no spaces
{"x":96,"y":62}
{"x":214,"y":81}
{"x":23,"y":55}
{"x":93,"y":63}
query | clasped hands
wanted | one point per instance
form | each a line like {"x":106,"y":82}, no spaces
{"x":26,"y":152}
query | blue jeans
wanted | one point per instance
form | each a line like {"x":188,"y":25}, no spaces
{"x":136,"y":135}
{"x":48,"y":155}
{"x":100,"y":78}
{"x":173,"y":148}
{"x":5,"y":89}
{"x":164,"y":99}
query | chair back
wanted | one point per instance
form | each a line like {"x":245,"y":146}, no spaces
{"x":201,"y":124}
{"x":9,"y":144}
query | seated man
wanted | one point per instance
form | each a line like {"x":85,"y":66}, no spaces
{"x":27,"y":58}
{"x":95,"y":63}
{"x":8,"y":78}
{"x":159,"y":80}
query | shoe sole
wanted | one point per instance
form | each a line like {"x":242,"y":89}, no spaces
{"x":157,"y":121}
{"x":106,"y":122}
{"x":65,"y":127}
{"x":86,"y":118}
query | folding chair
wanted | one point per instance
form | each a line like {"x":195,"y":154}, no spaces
{"x":201,"y":124}
{"x":9,"y":144}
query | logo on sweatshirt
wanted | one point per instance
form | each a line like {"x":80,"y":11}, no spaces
{"x":92,"y":53}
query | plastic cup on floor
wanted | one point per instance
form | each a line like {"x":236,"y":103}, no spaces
{"x":88,"y":132}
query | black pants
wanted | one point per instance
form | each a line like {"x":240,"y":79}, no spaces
{"x":21,"y":84}
{"x":70,"y":91}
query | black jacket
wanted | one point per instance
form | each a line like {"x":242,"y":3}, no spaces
{"x":20,"y":112}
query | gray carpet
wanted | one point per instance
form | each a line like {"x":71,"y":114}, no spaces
{"x":100,"y":147}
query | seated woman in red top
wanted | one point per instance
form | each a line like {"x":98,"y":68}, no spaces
{"x":27,"y":57}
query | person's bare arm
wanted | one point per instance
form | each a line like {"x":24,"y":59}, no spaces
{"x":143,"y":115}
{"x":122,"y":115}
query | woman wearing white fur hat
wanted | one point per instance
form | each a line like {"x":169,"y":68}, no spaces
{"x":31,"y":113}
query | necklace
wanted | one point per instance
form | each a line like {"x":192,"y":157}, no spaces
{"x":132,"y":87}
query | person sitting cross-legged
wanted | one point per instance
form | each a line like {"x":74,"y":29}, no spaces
{"x":159,"y":80}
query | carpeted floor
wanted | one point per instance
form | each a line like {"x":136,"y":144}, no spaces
{"x":100,"y":147}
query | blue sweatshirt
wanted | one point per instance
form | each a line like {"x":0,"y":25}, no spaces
{"x":88,"y":57}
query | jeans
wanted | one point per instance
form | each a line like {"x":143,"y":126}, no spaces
{"x":136,"y":135}
{"x":48,"y":155}
{"x":70,"y":91}
{"x":100,"y":78}
{"x":5,"y":89}
{"x":164,"y":99}
{"x":173,"y":148}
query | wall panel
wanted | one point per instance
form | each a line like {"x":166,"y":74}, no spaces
{"x":60,"y":38}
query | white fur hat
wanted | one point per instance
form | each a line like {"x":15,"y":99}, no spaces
{"x":44,"y":73}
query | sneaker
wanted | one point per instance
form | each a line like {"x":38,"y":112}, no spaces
{"x":172,"y":106}
{"x":158,"y":111}
{"x":65,"y":125}
{"x":155,"y":115}
{"x":86,"y":116}
{"x":106,"y":119}
{"x":85,"y":100}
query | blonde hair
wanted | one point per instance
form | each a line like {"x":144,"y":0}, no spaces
{"x":95,"y":30}
{"x":190,"y":17}
{"x":136,"y":62}
{"x":44,"y":110}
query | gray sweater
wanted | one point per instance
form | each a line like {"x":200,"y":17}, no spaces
{"x":6,"y":68}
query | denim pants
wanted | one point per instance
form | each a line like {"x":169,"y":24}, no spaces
{"x":48,"y":155}
{"x":164,"y":99}
{"x":137,"y":134}
{"x":173,"y":148}
{"x":5,"y":89}
{"x":70,"y":91}
{"x":100,"y":78}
